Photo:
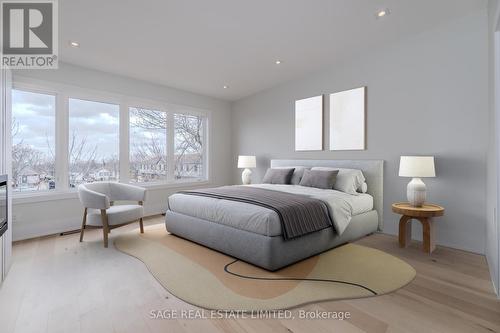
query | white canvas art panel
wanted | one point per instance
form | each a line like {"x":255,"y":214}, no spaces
{"x":309,"y":124}
{"x":347,"y":119}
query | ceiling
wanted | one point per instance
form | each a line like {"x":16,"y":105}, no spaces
{"x":200,"y":46}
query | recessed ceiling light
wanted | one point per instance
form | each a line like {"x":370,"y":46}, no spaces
{"x":382,"y":13}
{"x":74,"y":44}
{"x":277,"y":62}
{"x":225,"y":87}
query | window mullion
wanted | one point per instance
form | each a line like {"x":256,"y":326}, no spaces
{"x":124,"y":142}
{"x":61,"y":142}
{"x":206,"y":150}
{"x":170,"y":147}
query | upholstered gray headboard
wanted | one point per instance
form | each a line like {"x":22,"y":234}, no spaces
{"x":373,"y":170}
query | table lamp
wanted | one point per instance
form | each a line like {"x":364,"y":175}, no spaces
{"x":246,"y":162}
{"x":416,"y":167}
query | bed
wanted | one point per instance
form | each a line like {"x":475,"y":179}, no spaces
{"x":254,"y":233}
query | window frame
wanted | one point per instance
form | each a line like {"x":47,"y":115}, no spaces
{"x":63,"y":92}
{"x":206,"y":124}
{"x":87,"y":98}
{"x":151,"y":107}
{"x":38,"y":90}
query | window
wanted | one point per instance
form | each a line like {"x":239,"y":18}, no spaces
{"x":148,"y":145}
{"x":93,"y":145}
{"x":188,"y":146}
{"x":100,"y":139}
{"x":33,"y":141}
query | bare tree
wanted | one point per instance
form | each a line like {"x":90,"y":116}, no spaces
{"x":188,"y":139}
{"x":150,"y":119}
{"x":188,"y":136}
{"x":150,"y":152}
{"x":24,"y":157}
{"x":82,"y":157}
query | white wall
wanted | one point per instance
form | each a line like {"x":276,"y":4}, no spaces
{"x":41,"y":218}
{"x":5,"y":166}
{"x":427,"y":94}
{"x":492,"y":227}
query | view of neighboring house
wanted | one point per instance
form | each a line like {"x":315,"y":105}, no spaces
{"x":148,"y":170}
{"x":103,"y":174}
{"x":30,"y":179}
{"x":152,"y":169}
{"x":189,"y":166}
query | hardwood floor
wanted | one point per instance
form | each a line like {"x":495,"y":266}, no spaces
{"x":57,"y":284}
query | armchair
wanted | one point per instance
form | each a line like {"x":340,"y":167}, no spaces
{"x":98,"y":199}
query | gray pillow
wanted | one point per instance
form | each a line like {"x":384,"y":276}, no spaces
{"x":348,"y":180}
{"x":278,"y":176}
{"x":324,"y":179}
{"x":297,"y":173}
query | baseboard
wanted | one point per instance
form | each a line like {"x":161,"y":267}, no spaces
{"x":494,"y":279}
{"x":27,"y":231}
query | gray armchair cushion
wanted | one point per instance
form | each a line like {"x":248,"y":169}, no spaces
{"x":116,"y":215}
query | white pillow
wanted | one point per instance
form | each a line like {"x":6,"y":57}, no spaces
{"x":348,"y":180}
{"x":364,"y":188}
{"x":297,"y":173}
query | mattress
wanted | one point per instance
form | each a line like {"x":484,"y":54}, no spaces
{"x":263,"y":221}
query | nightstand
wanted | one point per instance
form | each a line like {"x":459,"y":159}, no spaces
{"x":424,"y":214}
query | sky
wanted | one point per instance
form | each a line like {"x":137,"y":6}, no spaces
{"x":33,"y":120}
{"x":98,"y":123}
{"x":34,"y":116}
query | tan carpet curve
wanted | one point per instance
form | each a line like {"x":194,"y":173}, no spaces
{"x":197,"y":274}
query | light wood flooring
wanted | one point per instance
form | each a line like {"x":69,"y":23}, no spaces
{"x":57,"y":284}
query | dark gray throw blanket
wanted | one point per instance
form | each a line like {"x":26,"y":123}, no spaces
{"x":299,"y":214}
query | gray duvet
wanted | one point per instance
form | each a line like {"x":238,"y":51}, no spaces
{"x":299,"y":215}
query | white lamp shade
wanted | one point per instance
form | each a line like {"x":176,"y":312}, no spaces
{"x":246,"y":161}
{"x":417,"y":166}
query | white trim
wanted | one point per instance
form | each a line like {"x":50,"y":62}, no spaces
{"x":64,"y":92}
{"x":69,"y":90}
{"x":207,"y":167}
{"x":75,"y":91}
{"x":170,"y":147}
{"x":124,"y":144}
{"x":6,"y":165}
{"x":496,"y":23}
{"x":61,"y":142}
{"x":33,"y":197}
{"x":496,"y":111}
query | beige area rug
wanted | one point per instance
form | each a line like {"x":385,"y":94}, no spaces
{"x":212,"y":280}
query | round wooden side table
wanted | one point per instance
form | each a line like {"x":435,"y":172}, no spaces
{"x":424,"y":214}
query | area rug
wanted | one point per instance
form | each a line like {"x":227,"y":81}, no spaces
{"x":212,"y":280}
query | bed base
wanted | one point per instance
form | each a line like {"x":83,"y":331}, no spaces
{"x":271,"y":253}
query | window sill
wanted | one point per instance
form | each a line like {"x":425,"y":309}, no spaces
{"x":34,"y":197}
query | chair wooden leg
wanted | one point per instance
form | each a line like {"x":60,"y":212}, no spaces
{"x":141,"y":225}
{"x":105,"y":226}
{"x":140,"y":220}
{"x":84,"y":222}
